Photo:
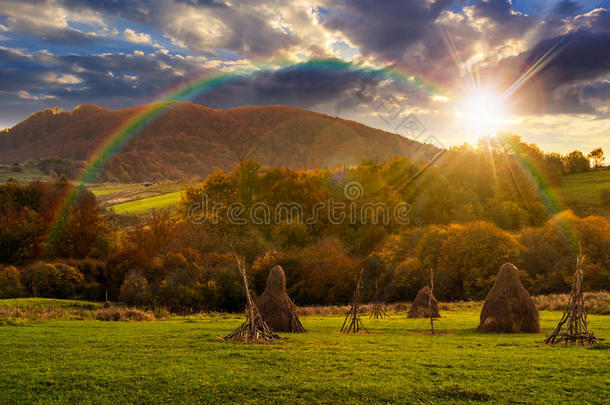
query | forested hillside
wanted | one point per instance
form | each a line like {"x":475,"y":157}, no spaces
{"x":189,"y":140}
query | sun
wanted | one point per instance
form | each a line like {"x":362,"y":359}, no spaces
{"x":481,"y":113}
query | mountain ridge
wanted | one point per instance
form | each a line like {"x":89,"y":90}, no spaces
{"x":190,"y":140}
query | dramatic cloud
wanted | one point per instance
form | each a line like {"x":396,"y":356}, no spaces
{"x":392,"y":57}
{"x":386,"y":28}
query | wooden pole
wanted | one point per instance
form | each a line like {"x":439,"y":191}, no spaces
{"x":430,"y":299}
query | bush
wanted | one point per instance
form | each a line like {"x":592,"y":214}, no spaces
{"x":10,"y":283}
{"x":122,"y":314}
{"x":136,"y":290}
{"x":52,"y":280}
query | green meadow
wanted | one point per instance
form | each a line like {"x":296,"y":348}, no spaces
{"x":582,"y":192}
{"x":137,"y":199}
{"x":181,"y":360}
{"x":145,"y":205}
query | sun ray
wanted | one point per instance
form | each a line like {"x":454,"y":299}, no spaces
{"x":540,"y":64}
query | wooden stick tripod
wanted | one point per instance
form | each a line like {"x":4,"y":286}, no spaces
{"x":352,"y":322}
{"x":255,"y":329}
{"x":574,"y":316}
{"x":378,"y":310}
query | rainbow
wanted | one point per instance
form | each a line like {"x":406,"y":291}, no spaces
{"x":201,"y":83}
{"x":205,"y":82}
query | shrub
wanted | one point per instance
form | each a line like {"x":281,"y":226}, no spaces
{"x":122,"y":314}
{"x":52,"y":280}
{"x":10,"y":283}
{"x":136,"y":290}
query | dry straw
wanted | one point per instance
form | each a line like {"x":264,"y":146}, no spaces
{"x":424,"y":304}
{"x":508,"y":307}
{"x":276,"y":307}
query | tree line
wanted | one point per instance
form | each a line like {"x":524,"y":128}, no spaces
{"x":470,"y":213}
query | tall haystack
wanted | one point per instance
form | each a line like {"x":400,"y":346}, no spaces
{"x":424,"y":303}
{"x":508,"y":306}
{"x":276,"y":307}
{"x":254,"y":329}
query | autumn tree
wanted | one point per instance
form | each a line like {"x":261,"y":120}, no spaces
{"x":597,"y":155}
{"x":576,"y":162}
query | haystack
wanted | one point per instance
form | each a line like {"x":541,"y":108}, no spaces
{"x":508,"y":306}
{"x":276,"y":308}
{"x":421,"y":306}
{"x":254,"y":329}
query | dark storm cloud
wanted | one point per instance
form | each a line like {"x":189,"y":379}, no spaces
{"x":579,"y":64}
{"x":303,"y":85}
{"x":582,"y":56}
{"x":383,"y":28}
{"x":567,"y":7}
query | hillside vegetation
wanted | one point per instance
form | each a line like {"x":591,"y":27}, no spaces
{"x":189,"y":140}
{"x":458,"y":223}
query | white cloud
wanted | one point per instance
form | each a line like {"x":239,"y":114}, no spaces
{"x":49,"y":20}
{"x":27,"y":96}
{"x":65,"y":78}
{"x":135,"y":37}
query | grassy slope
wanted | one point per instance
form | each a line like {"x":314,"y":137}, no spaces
{"x":181,"y":360}
{"x":137,"y":199}
{"x":26,"y":175}
{"x":582,"y":192}
{"x":145,"y":205}
{"x":48,"y":303}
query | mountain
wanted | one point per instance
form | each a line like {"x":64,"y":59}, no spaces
{"x":189,"y":140}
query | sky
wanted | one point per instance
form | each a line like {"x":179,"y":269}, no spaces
{"x":457,"y":69}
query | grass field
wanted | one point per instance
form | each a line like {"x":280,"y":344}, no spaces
{"x":582,"y":192}
{"x":138,"y":199}
{"x":145,"y":205}
{"x":180,"y":360}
